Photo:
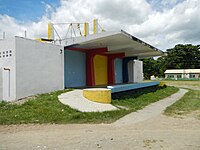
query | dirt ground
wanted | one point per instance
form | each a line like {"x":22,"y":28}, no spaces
{"x":160,"y":132}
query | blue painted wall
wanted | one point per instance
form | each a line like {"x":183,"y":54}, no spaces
{"x":118,"y":71}
{"x":75,"y":68}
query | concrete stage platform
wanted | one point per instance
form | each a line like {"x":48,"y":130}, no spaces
{"x":131,"y":86}
{"x":98,"y":99}
{"x":103,"y":94}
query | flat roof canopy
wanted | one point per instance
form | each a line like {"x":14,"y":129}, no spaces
{"x":115,"y":42}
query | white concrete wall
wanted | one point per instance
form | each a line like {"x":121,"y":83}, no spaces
{"x":39,"y":67}
{"x":138,"y":71}
{"x":1,"y":85}
{"x":8,"y":71}
{"x":135,"y":71}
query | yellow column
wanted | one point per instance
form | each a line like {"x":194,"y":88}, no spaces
{"x":95,"y":26}
{"x":50,"y":31}
{"x":86,"y":29}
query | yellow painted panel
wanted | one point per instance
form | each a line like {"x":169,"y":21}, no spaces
{"x":100,"y":69}
{"x":98,"y":95}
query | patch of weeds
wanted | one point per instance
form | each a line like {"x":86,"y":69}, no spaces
{"x":149,"y":143}
{"x":46,"y":108}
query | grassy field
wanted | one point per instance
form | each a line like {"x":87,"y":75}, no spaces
{"x":46,"y":108}
{"x":190,"y":103}
{"x":194,"y":85}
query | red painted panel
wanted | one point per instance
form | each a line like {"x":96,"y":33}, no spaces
{"x":111,"y":69}
{"x":90,"y":80}
{"x":111,"y":75}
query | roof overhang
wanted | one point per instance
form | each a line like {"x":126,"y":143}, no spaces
{"x":115,"y":42}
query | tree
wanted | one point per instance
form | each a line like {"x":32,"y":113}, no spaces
{"x":183,"y":57}
{"x":179,"y":57}
{"x":148,"y":67}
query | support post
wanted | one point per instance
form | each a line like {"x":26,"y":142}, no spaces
{"x":95,"y":26}
{"x":50,"y":31}
{"x":111,"y":70}
{"x":90,"y":78}
{"x":86,"y":29}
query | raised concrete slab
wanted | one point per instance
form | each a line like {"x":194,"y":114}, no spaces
{"x":75,"y":100}
{"x":132,"y":86}
{"x":101,"y":95}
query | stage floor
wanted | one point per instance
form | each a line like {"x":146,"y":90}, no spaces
{"x":131,"y":86}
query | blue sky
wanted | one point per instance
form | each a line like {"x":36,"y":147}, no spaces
{"x":26,"y":10}
{"x":160,"y":5}
{"x":161,"y":23}
{"x":33,"y":10}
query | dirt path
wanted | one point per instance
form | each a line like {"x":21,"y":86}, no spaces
{"x":151,"y":110}
{"x":157,"y":132}
{"x":160,"y":132}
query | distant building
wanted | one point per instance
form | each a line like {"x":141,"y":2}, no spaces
{"x":182,"y":74}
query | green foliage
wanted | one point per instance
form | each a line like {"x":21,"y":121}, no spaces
{"x":183,"y":57}
{"x":179,"y":57}
{"x":46,"y":108}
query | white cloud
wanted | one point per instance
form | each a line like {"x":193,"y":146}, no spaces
{"x":177,"y":25}
{"x":128,"y":11}
{"x":164,"y":29}
{"x":10,"y":26}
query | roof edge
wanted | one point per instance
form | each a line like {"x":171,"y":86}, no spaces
{"x":142,"y":42}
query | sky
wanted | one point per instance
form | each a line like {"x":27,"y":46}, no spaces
{"x":161,"y":23}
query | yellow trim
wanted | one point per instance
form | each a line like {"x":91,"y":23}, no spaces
{"x":39,"y":39}
{"x":98,"y":95}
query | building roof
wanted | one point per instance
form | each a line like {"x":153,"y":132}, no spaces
{"x":182,"y":71}
{"x":115,"y":42}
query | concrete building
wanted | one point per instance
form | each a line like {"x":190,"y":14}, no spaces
{"x":105,"y":58}
{"x":29,"y":67}
{"x":182,"y":74}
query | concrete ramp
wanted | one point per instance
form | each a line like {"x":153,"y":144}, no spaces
{"x":75,"y":100}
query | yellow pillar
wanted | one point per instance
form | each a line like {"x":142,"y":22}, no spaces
{"x":50,"y":31}
{"x":95,"y":26}
{"x":86,"y":29}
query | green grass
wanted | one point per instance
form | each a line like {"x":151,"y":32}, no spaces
{"x":184,"y":84}
{"x":187,"y":104}
{"x":46,"y":108}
